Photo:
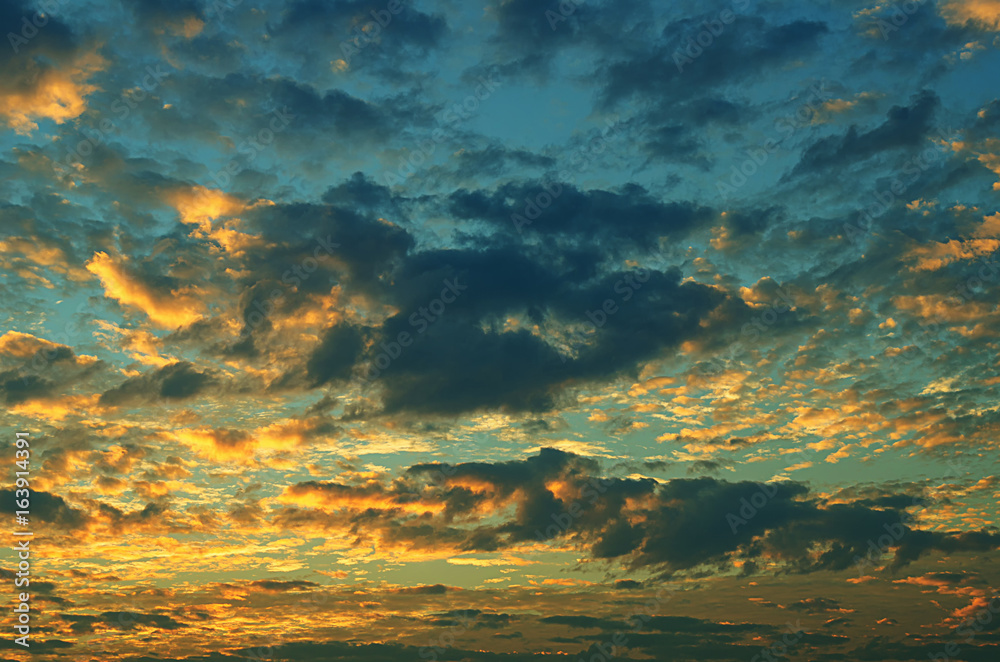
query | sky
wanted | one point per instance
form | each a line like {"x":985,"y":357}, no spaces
{"x":408,"y":330}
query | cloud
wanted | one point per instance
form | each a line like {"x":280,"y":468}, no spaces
{"x":434,"y":589}
{"x":409,"y":35}
{"x":281,"y":586}
{"x":174,"y":382}
{"x":119,"y":620}
{"x":219,"y":445}
{"x":24,"y":345}
{"x":182,"y":18}
{"x":16,"y":388}
{"x":48,"y":72}
{"x":457,"y":365}
{"x":640,"y":218}
{"x":52,"y":509}
{"x":336,"y":355}
{"x":190,"y":361}
{"x":982,"y":13}
{"x":676,"y":525}
{"x":905,"y":126}
{"x":748,"y":47}
{"x":166,"y":303}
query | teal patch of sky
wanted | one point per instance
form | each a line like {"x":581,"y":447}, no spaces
{"x":69,"y":320}
{"x":968,"y":88}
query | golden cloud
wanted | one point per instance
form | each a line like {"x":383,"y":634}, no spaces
{"x":178,"y":307}
{"x":985,"y":13}
{"x":54,"y":93}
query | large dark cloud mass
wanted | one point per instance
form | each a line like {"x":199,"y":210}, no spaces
{"x":678,"y":525}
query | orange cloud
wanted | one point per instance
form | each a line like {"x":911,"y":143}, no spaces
{"x":39,"y":253}
{"x":343,"y":497}
{"x":486,"y":563}
{"x":942,"y":308}
{"x":56,"y":409}
{"x":23,"y":345}
{"x":218,"y":445}
{"x":140,"y":345}
{"x":289,"y":434}
{"x":178,"y":307}
{"x":199,"y":205}
{"x":986,"y":13}
{"x":41,"y":91}
{"x":936,"y":255}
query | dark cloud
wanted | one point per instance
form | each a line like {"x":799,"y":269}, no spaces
{"x":582,"y":622}
{"x":152,"y":516}
{"x":839,"y":621}
{"x":119,"y":620}
{"x":365,"y":248}
{"x":281,"y":586}
{"x":630,"y":216}
{"x":704,"y":466}
{"x":313,"y":29}
{"x":433,"y":589}
{"x":687,"y":524}
{"x":627,"y":584}
{"x":335,"y":357}
{"x":51,"y":509}
{"x":495,"y":160}
{"x":16,"y":388}
{"x":530,"y":37}
{"x":173,"y":382}
{"x":815,"y":605}
{"x":459,"y":361}
{"x":457,"y":365}
{"x":55,"y":42}
{"x":156,"y":15}
{"x":747,"y":47}
{"x":904,"y":127}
